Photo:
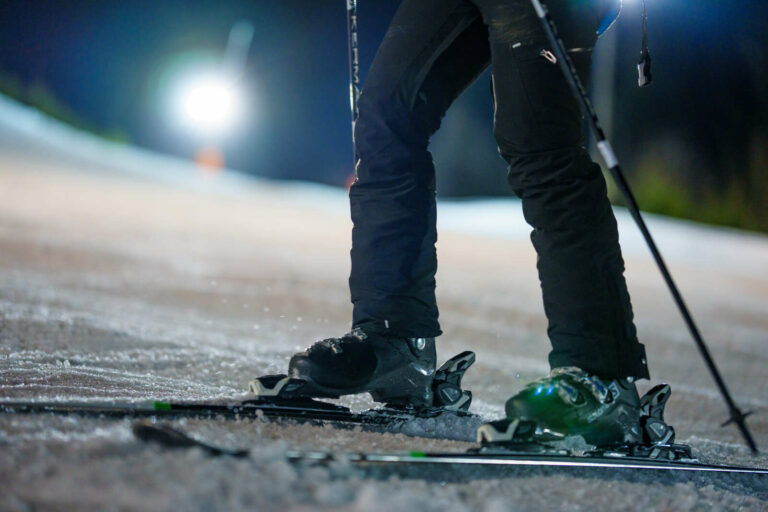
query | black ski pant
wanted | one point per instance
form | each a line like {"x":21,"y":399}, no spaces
{"x":433,"y":50}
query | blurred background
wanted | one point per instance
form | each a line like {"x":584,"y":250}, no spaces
{"x":694,"y":144}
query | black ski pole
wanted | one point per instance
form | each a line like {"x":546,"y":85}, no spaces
{"x":572,"y":77}
{"x":354,"y":67}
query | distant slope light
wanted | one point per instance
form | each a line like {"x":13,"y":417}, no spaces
{"x":209,"y":104}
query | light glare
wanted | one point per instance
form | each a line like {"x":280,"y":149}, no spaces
{"x":209,"y":104}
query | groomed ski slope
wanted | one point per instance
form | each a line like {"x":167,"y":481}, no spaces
{"x":127,"y":275}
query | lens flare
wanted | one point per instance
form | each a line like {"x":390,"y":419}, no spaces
{"x":208,"y":104}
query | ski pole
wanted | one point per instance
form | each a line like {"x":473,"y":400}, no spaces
{"x":354,"y":67}
{"x":604,"y":146}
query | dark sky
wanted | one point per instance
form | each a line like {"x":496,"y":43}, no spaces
{"x":711,"y":92}
{"x":105,"y":60}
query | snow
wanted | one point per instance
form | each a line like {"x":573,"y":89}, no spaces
{"x":127,"y":276}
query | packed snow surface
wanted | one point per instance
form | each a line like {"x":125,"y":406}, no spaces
{"x":129,"y":276}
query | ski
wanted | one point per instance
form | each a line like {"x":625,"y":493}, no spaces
{"x":171,"y":437}
{"x":297,"y":409}
{"x":501,"y":458}
{"x":279,"y":397}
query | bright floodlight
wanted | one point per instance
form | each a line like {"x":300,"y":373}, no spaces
{"x":209,"y":104}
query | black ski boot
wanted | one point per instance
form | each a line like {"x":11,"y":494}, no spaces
{"x":393,"y":369}
{"x":570,"y":402}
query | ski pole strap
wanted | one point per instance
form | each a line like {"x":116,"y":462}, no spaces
{"x":644,"y":76}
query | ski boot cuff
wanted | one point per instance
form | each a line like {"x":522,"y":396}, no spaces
{"x":376,"y":328}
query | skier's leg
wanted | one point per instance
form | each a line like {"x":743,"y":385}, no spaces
{"x":595,"y":352}
{"x":432,"y":51}
{"x":538,"y":127}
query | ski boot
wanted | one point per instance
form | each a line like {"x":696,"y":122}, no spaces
{"x":570,"y":402}
{"x":607,"y":415}
{"x":395,"y":370}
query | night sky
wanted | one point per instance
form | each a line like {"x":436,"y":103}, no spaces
{"x":106,"y":61}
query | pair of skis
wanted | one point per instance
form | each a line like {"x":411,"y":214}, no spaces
{"x":150,"y":427}
{"x":283,"y":398}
